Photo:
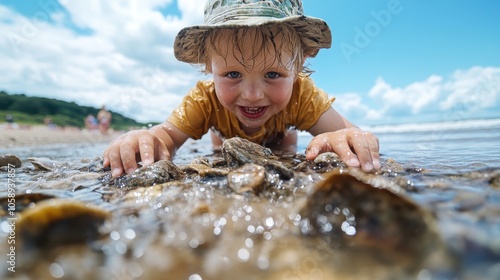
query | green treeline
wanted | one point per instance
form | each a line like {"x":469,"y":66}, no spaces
{"x":33,"y":110}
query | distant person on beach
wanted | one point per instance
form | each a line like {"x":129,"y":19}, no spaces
{"x":49,"y":123}
{"x":91,"y":123}
{"x":10,"y":121}
{"x":104,"y":119}
{"x":261,"y":90}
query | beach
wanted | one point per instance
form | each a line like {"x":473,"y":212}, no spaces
{"x":43,"y":135}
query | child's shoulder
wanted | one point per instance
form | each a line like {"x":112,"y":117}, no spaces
{"x":205,"y":83}
{"x":305,"y":79}
{"x":305,"y":83}
{"x":203,"y":86}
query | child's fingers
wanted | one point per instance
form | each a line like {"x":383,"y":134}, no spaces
{"x":128,"y":148}
{"x":361,"y":148}
{"x":373,"y":146}
{"x":316,"y":146}
{"x":161,"y":151}
{"x":335,"y":142}
{"x":355,"y":147}
{"x":147,"y":148}
{"x":105,"y":157}
{"x":345,"y":152}
{"x":112,"y":155}
{"x":312,"y":151}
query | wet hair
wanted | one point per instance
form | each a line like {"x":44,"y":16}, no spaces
{"x":269,"y":40}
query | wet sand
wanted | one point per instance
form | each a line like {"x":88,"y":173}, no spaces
{"x":42,"y":135}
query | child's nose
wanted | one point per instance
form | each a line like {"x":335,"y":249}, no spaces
{"x":253,"y":92}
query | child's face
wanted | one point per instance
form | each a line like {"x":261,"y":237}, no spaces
{"x":256,"y":90}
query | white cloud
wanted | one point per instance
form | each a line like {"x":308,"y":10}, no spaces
{"x":125,"y":61}
{"x":476,"y":88}
{"x":467,"y":93}
{"x":351,"y":104}
{"x":414,"y":97}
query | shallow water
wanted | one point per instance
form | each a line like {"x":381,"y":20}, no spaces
{"x":453,"y":166}
{"x":467,"y":207}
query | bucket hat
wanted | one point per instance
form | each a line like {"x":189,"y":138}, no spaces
{"x":189,"y":43}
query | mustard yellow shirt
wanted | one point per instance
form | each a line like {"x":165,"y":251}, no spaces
{"x":200,"y":111}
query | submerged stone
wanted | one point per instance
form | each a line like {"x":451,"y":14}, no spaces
{"x":45,"y":164}
{"x":157,"y":173}
{"x":56,"y":222}
{"x":248,"y":178}
{"x":20,"y":202}
{"x":358,"y":215}
{"x":10,"y":161}
{"x":238,"y":151}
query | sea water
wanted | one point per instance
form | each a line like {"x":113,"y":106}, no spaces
{"x":444,"y":147}
{"x":454,"y":160}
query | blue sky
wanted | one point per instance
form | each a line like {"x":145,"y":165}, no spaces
{"x":392,"y":61}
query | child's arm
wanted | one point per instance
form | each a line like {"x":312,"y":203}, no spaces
{"x":157,"y":143}
{"x":333,"y":133}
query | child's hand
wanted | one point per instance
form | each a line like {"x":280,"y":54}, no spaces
{"x":357,"y":148}
{"x":124,"y":152}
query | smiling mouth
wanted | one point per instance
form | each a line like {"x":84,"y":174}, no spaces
{"x":253,"y":112}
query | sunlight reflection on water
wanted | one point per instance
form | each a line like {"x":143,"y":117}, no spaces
{"x":458,"y":201}
{"x":466,"y":149}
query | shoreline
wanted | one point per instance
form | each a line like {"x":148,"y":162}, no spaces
{"x":42,"y":135}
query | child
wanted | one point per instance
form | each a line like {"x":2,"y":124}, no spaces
{"x":261,"y":91}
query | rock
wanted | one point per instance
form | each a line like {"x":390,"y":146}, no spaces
{"x":22,"y":201}
{"x":204,"y":171}
{"x":45,"y":164}
{"x":248,"y":178}
{"x":55,"y":222}
{"x":356,"y":214}
{"x":157,"y":173}
{"x":238,"y":151}
{"x":494,"y":181}
{"x":9,"y":161}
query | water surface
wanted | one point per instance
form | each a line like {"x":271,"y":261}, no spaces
{"x":449,"y":169}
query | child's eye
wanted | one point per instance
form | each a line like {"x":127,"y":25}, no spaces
{"x":272,"y":75}
{"x":233,"y":75}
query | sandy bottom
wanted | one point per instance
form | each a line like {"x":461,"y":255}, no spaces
{"x":41,"y":135}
